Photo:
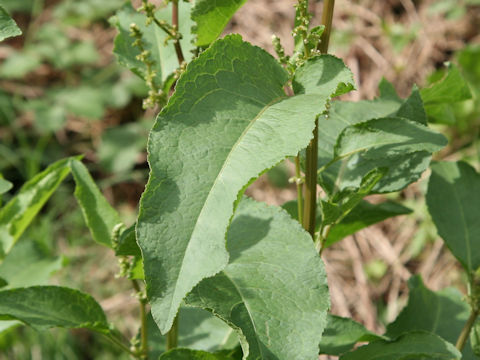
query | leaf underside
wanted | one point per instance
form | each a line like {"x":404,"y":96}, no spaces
{"x":8,"y":27}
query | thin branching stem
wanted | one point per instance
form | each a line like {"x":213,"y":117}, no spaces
{"x":143,"y":320}
{"x":175,"y":24}
{"x":299,"y":184}
{"x":172,"y":335}
{"x":462,"y":339}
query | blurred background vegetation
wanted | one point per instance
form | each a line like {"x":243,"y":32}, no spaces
{"x":62,"y":93}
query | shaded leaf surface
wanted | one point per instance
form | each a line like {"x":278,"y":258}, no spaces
{"x":413,"y":345}
{"x":8,"y":27}
{"x":188,"y":354}
{"x":453,"y":200}
{"x":211,"y":17}
{"x":29,"y":264}
{"x":43,"y":307}
{"x":5,"y":186}
{"x":443,"y":313}
{"x":99,"y":215}
{"x":17,"y":214}
{"x":341,"y":334}
{"x":274,"y":290}
{"x":227,"y":122}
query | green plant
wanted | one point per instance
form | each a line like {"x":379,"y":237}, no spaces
{"x":199,"y":244}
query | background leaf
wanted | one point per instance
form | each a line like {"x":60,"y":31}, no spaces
{"x":43,"y":307}
{"x":211,"y":17}
{"x":8,"y":26}
{"x":188,"y":354}
{"x":17,"y":214}
{"x":341,"y":334}
{"x":413,"y":345}
{"x":443,"y":313}
{"x":229,"y":110}
{"x":274,"y":290}
{"x":99,"y":215}
{"x":453,"y":200}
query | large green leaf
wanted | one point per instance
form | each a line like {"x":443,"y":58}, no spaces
{"x":154,"y":40}
{"x":443,"y":313}
{"x":341,"y":334}
{"x":439,"y":97}
{"x":99,"y":215}
{"x":5,"y":185}
{"x":453,"y":200}
{"x":349,"y":172}
{"x":227,"y":122}
{"x":29,"y":264}
{"x":198,"y":330}
{"x":17,"y":214}
{"x":414,"y":345}
{"x":274,"y":291}
{"x":43,"y":307}
{"x":8,"y":27}
{"x":362,"y":216}
{"x":211,"y":17}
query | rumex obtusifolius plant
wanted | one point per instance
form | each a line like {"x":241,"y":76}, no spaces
{"x":200,"y":244}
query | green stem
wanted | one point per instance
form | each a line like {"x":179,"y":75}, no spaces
{"x":172,"y":335}
{"x":178,"y":48}
{"x":462,"y":339}
{"x":299,"y":184}
{"x":121,"y":345}
{"x":143,"y":319}
{"x":312,"y":149}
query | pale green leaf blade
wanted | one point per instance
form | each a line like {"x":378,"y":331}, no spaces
{"x":274,"y":291}
{"x":453,"y":200}
{"x":331,"y":77}
{"x":17,"y":214}
{"x":412,"y":345}
{"x":211,"y":17}
{"x":362,"y":216}
{"x":154,"y":40}
{"x":227,"y":122}
{"x":188,"y":354}
{"x":5,"y":186}
{"x":341,"y":334}
{"x":43,"y":307}
{"x":198,"y":330}
{"x":380,"y":138}
{"x":428,"y":310}
{"x":127,"y":243}
{"x":99,"y":215}
{"x":8,"y":27}
{"x":29,"y":264}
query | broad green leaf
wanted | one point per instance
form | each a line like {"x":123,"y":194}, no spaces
{"x":381,"y":143}
{"x":227,"y":122}
{"x":100,"y":217}
{"x":188,"y":354}
{"x":43,"y":307}
{"x":387,"y":137}
{"x":29,"y":264}
{"x":154,"y":41}
{"x":8,"y":27}
{"x":274,"y":291}
{"x":341,"y":334}
{"x":17,"y":214}
{"x":440,"y":96}
{"x":453,"y":200}
{"x":5,"y":186}
{"x":362,"y":216}
{"x":443,"y":313}
{"x":412,"y":345}
{"x":198,"y":330}
{"x":127,"y":243}
{"x":211,"y":17}
{"x":349,"y":172}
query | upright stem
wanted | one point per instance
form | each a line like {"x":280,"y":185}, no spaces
{"x":299,"y":184}
{"x":143,"y":326}
{"x":310,"y":206}
{"x":172,"y":335}
{"x":178,"y":48}
{"x":462,"y":339}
